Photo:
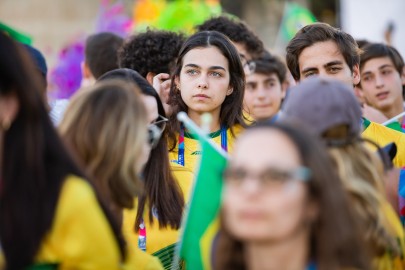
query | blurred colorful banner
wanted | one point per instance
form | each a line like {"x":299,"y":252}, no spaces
{"x":66,"y":76}
{"x":294,"y":18}
{"x":175,"y":15}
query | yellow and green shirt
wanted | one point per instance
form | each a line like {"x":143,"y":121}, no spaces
{"x":160,"y":242}
{"x":192,"y":148}
{"x":81,"y":237}
{"x":383,"y":136}
{"x":388,"y":261}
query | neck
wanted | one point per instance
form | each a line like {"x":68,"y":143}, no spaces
{"x":290,"y":254}
{"x":394,"y":110}
{"x":214,"y":125}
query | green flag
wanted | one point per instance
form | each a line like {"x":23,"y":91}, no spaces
{"x":201,"y":221}
{"x":16,"y":35}
{"x":295,"y":17}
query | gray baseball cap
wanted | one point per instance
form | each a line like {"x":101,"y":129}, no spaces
{"x":322,"y":103}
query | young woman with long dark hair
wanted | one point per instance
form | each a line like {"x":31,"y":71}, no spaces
{"x":208,"y":78}
{"x":49,"y":213}
{"x":155,"y":220}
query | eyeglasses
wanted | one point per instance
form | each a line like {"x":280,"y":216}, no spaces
{"x":248,"y":66}
{"x":271,"y":178}
{"x":155,"y":130}
{"x":160,"y":122}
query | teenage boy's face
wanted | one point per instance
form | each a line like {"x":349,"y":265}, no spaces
{"x":325,"y":59}
{"x":263,"y":95}
{"x":381,"y":83}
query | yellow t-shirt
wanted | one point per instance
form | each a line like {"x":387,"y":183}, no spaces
{"x":387,"y":261}
{"x":81,"y":237}
{"x":160,"y":242}
{"x":192,"y":148}
{"x":382,"y":136}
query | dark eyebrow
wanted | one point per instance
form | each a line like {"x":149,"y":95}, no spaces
{"x":271,"y":79}
{"x":333,"y":63}
{"x":192,"y":65}
{"x":385,"y":66}
{"x":251,"y":82}
{"x":210,"y":68}
{"x":382,"y":67}
{"x":217,"y":67}
{"x":309,"y":69}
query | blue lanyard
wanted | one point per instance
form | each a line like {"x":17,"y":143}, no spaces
{"x":180,"y":155}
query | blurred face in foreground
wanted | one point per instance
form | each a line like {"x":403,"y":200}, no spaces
{"x":265,"y":197}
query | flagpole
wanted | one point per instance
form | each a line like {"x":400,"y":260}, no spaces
{"x":277,"y":44}
{"x":393,"y":119}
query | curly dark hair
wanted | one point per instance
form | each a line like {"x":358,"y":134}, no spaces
{"x":152,"y":51}
{"x":237,"y":31}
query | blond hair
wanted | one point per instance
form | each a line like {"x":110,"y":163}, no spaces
{"x":106,"y":127}
{"x":361,"y":173}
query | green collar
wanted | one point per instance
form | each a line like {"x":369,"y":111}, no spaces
{"x":366,"y":123}
{"x":195,"y":137}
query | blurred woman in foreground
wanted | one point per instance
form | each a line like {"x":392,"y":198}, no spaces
{"x":284,"y":207}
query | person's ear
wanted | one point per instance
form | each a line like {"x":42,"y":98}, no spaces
{"x":356,"y":74}
{"x":9,"y":107}
{"x":230,"y":91}
{"x":284,"y":87}
{"x":177,"y":83}
{"x":86,"y":71}
{"x":403,"y":76}
{"x":149,"y":77}
{"x":312,"y":212}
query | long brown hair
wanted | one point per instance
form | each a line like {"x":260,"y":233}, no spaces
{"x":231,"y":108}
{"x":106,"y":127}
{"x":358,"y":169}
{"x":161,"y":190}
{"x":335,"y":241}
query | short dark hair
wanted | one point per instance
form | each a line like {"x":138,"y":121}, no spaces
{"x":321,"y":32}
{"x":376,"y":50}
{"x":237,"y":31}
{"x":270,"y":64}
{"x":152,"y":51}
{"x":231,"y":108}
{"x":101,"y":52}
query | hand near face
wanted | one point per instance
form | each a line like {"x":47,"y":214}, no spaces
{"x":162,"y":83}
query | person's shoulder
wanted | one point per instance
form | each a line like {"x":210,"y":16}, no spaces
{"x":236,"y":130}
{"x":76,"y":192}
{"x":77,"y":187}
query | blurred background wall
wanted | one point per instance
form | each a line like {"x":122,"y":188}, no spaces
{"x":54,"y":23}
